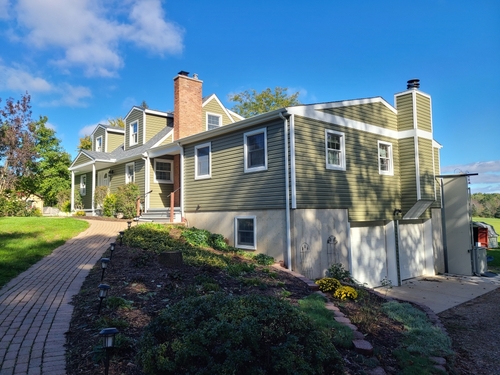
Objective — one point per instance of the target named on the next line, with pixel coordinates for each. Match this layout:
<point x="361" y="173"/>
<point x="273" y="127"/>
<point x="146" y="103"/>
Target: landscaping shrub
<point x="100" y="194"/>
<point x="109" y="205"/>
<point x="196" y="237"/>
<point x="126" y="196"/>
<point x="328" y="284"/>
<point x="337" y="271"/>
<point x="263" y="259"/>
<point x="150" y="236"/>
<point x="217" y="242"/>
<point x="345" y="292"/>
<point x="221" y="334"/>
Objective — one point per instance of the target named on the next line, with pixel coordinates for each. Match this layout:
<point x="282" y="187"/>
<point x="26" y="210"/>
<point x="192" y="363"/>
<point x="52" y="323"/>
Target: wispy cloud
<point x="88" y="33"/>
<point x="488" y="178"/>
<point x="70" y="96"/>
<point x="4" y="9"/>
<point x="17" y="79"/>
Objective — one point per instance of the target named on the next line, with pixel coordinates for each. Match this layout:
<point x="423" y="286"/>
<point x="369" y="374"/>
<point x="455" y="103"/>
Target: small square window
<point x="213" y="121"/>
<point x="83" y="185"/>
<point x="164" y="171"/>
<point x="98" y="144"/>
<point x="255" y="150"/>
<point x="129" y="173"/>
<point x="134" y="133"/>
<point x="202" y="159"/>
<point x="245" y="232"/>
<point x="335" y="150"/>
<point x="385" y="162"/>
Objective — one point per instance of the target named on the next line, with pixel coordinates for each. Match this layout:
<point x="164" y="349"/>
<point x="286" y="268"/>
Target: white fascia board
<point x="157" y="113"/>
<point x="409" y="91"/>
<point x="313" y="113"/>
<point x="436" y="144"/>
<point x="348" y="103"/>
<point x="415" y="133"/>
<point x="170" y="149"/>
<point x="95" y="129"/>
<point x="82" y="152"/>
<point x="157" y="144"/>
<point x="129" y="112"/>
<point x="214" y="97"/>
<point x="235" y="115"/>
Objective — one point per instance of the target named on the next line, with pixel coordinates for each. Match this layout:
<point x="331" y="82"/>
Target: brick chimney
<point x="187" y="105"/>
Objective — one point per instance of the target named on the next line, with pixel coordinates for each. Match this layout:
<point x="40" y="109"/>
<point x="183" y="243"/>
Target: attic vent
<point x="184" y="73"/>
<point x="413" y="84"/>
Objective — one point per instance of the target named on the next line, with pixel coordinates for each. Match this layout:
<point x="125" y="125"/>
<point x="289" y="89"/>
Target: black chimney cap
<point x="413" y="83"/>
<point x="183" y="73"/>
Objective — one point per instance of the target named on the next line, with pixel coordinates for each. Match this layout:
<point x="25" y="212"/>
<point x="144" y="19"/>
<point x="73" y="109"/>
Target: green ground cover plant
<point x="24" y="241"/>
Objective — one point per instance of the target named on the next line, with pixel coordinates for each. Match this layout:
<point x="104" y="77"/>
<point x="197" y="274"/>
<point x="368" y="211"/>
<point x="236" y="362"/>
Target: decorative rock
<point x="339" y="314"/>
<point x="352" y="326"/>
<point x="438" y="360"/>
<point x="331" y="307"/>
<point x="440" y="368"/>
<point x="358" y="335"/>
<point x="363" y="347"/>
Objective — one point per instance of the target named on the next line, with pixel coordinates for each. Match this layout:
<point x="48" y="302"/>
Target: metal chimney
<point x="413" y="83"/>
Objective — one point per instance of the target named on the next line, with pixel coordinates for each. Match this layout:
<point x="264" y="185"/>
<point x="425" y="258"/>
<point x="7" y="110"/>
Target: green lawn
<point x="26" y="240"/>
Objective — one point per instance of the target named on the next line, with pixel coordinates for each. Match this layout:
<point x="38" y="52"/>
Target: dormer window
<point x="98" y="144"/>
<point x="134" y="133"/>
<point x="213" y="121"/>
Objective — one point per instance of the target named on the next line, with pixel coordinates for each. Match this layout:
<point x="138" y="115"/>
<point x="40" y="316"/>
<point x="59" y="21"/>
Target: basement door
<point x="411" y="250"/>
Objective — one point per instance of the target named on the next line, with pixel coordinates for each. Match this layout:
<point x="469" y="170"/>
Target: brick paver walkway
<point x="34" y="307"/>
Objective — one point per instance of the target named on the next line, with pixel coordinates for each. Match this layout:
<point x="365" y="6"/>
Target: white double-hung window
<point x="134" y="133"/>
<point x="213" y="121"/>
<point x="130" y="173"/>
<point x="335" y="150"/>
<point x="202" y="161"/>
<point x="164" y="171"/>
<point x="98" y="144"/>
<point x="385" y="161"/>
<point x="255" y="143"/>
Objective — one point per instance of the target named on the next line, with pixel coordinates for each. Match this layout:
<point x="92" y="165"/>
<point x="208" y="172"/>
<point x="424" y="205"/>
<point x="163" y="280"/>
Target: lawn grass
<point x="26" y="240"/>
<point x="489" y="220"/>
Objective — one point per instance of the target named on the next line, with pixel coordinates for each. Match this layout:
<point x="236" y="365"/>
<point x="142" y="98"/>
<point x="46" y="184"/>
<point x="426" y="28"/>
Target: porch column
<point x="72" y="191"/>
<point x="93" y="186"/>
<point x="177" y="179"/>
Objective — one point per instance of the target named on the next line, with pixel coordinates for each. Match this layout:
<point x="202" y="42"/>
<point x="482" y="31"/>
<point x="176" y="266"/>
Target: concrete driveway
<point x="442" y="292"/>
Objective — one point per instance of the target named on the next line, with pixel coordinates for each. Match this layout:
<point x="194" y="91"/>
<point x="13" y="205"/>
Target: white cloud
<point x="88" y="33"/>
<point x="4" y="9"/>
<point x="71" y="96"/>
<point x="87" y="130"/>
<point x="17" y="79"/>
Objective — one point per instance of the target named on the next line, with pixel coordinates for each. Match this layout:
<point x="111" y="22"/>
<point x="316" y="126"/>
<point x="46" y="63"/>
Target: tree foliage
<point x="485" y="205"/>
<point x="251" y="103"/>
<point x="117" y="122"/>
<point x="17" y="144"/>
<point x="85" y="143"/>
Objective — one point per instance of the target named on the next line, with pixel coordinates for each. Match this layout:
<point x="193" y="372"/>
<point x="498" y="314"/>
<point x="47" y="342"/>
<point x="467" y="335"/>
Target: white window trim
<point x="83" y="185"/>
<point x="127" y="180"/>
<point x="132" y="141"/>
<point x="254" y="218"/>
<point x="215" y="115"/>
<point x="342" y="166"/>
<point x="171" y="162"/>
<point x="390" y="172"/>
<point x="245" y="136"/>
<point x="205" y="176"/>
<point x="97" y="142"/>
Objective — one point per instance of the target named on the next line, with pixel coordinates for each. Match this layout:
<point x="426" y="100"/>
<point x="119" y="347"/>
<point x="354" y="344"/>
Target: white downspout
<point x="72" y="191"/>
<point x="287" y="196"/>
<point x="292" y="162"/>
<point x="147" y="183"/>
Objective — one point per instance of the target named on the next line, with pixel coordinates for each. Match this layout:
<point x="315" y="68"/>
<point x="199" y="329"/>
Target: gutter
<point x="288" y="256"/>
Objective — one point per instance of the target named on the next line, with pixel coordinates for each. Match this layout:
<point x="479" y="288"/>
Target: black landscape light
<point x="129" y="223"/>
<point x="108" y="343"/>
<point x="103" y="293"/>
<point x="112" y="246"/>
<point x="104" y="265"/>
<point x="121" y="237"/>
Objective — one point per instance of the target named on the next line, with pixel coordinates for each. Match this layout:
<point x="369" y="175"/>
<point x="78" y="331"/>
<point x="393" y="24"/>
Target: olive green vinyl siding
<point x="87" y="198"/>
<point x="213" y="107"/>
<point x="153" y="125"/>
<point x="134" y="115"/>
<point x="82" y="159"/>
<point x="118" y="177"/>
<point x="371" y="113"/>
<point x="168" y="140"/>
<point x="361" y="189"/>
<point x="99" y="133"/>
<point x="423" y="113"/>
<point x="114" y="141"/>
<point x="426" y="168"/>
<point x="159" y="198"/>
<point x="404" y="105"/>
<point x="229" y="188"/>
<point x="408" y="173"/>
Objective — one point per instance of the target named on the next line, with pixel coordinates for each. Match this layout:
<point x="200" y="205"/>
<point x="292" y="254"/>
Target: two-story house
<point x="349" y="182"/>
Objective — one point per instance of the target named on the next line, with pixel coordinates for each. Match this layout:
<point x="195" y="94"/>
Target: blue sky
<point x="84" y="61"/>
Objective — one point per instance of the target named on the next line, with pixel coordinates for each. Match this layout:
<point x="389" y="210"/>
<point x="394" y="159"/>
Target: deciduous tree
<point x="85" y="143"/>
<point x="251" y="103"/>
